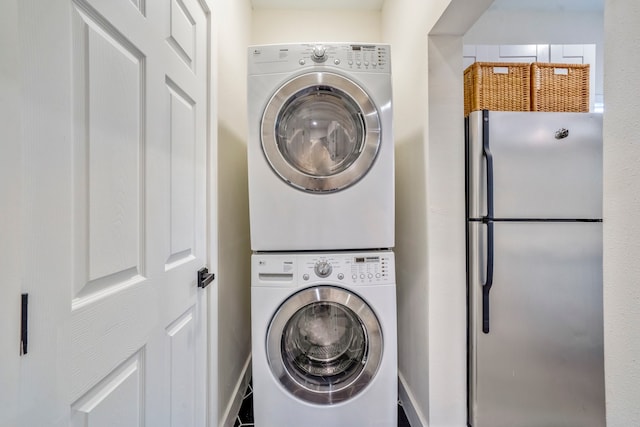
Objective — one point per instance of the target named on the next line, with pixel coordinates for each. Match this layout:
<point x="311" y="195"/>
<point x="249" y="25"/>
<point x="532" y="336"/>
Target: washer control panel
<point x="350" y="268"/>
<point x="345" y="56"/>
<point x="360" y="268"/>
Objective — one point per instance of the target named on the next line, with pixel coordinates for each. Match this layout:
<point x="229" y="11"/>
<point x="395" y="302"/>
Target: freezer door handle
<point x="486" y="151"/>
<point x="486" y="287"/>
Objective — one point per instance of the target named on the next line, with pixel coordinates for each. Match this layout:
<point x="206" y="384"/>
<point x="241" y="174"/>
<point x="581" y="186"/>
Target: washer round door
<point x="320" y="132"/>
<point x="324" y="344"/>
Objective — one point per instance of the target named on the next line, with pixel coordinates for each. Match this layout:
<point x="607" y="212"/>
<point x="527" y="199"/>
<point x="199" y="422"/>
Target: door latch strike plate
<point x="204" y="277"/>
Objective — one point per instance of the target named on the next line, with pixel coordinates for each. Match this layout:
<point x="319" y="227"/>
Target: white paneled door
<point x="115" y="105"/>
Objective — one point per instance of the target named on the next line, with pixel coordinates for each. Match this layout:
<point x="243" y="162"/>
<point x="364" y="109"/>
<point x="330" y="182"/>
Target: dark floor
<point x="245" y="415"/>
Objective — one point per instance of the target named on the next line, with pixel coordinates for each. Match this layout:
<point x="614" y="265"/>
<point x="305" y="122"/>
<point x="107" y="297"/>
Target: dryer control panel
<point x="353" y="57"/>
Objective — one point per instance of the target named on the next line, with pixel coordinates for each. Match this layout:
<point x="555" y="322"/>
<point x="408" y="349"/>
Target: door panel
<point x="120" y="393"/>
<point x="108" y="204"/>
<point x="183" y="32"/>
<point x="11" y="194"/>
<point x="183" y="369"/>
<point x="182" y="119"/>
<point x="541" y="364"/>
<point x="118" y="187"/>
<point x="505" y="53"/>
<point x="535" y="174"/>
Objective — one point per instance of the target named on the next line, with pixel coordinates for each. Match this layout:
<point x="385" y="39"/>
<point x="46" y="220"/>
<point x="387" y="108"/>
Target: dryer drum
<point x="325" y="339"/>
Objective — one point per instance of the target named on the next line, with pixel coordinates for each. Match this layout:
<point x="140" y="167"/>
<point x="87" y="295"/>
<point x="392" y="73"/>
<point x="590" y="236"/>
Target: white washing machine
<point x="324" y="339"/>
<point x="320" y="148"/>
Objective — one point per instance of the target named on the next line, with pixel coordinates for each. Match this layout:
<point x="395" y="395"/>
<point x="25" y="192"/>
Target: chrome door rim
<point x="373" y="357"/>
<point x="369" y="116"/>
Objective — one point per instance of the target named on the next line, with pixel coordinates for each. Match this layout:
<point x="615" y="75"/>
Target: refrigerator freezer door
<point x="545" y="165"/>
<point x="541" y="364"/>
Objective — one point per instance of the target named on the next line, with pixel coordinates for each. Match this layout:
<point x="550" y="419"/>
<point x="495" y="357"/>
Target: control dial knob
<point x="323" y="269"/>
<point x="319" y="53"/>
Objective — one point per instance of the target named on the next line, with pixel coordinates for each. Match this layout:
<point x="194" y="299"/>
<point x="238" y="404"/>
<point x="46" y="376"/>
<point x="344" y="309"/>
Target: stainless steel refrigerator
<point x="534" y="269"/>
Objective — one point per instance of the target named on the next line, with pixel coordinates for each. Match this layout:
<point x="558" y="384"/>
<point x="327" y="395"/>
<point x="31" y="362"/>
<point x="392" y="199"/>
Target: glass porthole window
<point x="324" y="345"/>
<point x="320" y="132"/>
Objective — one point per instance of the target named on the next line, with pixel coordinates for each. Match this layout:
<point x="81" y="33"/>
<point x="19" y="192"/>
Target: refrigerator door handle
<point x="486" y="287"/>
<point x="487" y="220"/>
<point x="486" y="151"/>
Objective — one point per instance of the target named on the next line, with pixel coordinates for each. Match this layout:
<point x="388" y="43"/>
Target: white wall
<point x="430" y="206"/>
<point x="299" y="25"/>
<point x="621" y="207"/>
<point x="233" y="22"/>
<point x="408" y="44"/>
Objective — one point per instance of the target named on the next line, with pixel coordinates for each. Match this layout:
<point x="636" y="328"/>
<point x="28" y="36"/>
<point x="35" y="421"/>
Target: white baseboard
<point x="409" y="404"/>
<point x="238" y="394"/>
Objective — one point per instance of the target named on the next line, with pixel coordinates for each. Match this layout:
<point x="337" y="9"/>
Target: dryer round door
<point x="320" y="132"/>
<point x="324" y="345"/>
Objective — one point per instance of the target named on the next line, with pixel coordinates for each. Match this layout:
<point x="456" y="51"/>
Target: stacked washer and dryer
<point x="321" y="199"/>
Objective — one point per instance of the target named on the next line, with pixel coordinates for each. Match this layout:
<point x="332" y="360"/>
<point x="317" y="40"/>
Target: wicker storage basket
<point x="559" y="87"/>
<point x="498" y="86"/>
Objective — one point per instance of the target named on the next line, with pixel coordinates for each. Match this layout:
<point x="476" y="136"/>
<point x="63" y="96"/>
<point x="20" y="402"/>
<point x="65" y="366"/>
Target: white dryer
<point x="320" y="149"/>
<point x="324" y="339"/>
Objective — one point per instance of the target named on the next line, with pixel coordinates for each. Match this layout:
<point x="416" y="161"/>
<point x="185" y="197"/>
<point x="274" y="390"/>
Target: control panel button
<point x="323" y="269"/>
<point x="319" y="53"/>
<point x="340" y="276"/>
<point x="305" y="276"/>
<point x="336" y="61"/>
